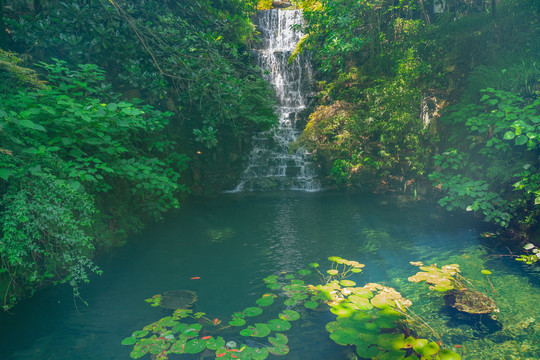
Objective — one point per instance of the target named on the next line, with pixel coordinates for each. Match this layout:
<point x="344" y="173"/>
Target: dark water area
<point x="229" y="243"/>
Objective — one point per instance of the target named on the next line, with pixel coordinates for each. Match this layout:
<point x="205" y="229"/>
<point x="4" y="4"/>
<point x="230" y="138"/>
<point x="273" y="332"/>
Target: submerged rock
<point x="472" y="302"/>
<point x="178" y="299"/>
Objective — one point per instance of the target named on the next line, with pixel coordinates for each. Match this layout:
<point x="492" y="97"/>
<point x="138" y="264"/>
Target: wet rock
<point x="472" y="302"/>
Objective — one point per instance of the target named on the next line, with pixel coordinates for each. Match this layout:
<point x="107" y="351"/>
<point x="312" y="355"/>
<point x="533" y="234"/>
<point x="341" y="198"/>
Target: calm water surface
<point x="233" y="241"/>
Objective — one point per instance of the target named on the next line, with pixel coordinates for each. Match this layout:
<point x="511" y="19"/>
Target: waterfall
<point x="271" y="166"/>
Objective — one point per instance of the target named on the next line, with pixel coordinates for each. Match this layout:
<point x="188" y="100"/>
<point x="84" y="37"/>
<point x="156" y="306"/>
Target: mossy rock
<point x="178" y="299"/>
<point x="472" y="302"/>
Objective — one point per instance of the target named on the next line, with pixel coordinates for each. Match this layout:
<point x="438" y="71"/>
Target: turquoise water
<point x="232" y="242"/>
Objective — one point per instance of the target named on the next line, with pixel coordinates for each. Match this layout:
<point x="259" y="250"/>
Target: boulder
<point x="280" y="4"/>
<point x="472" y="302"/>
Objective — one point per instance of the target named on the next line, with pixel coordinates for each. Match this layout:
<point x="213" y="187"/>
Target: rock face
<point x="280" y="4"/>
<point x="472" y="302"/>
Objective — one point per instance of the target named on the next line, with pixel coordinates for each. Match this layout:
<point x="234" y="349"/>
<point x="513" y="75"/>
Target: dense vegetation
<point x="97" y="125"/>
<point x="390" y="69"/>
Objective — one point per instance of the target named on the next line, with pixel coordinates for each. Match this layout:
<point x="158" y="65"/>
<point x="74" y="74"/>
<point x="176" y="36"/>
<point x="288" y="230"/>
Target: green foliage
<point x="499" y="177"/>
<point x="66" y="148"/>
<point x="367" y="317"/>
<point x="190" y="57"/>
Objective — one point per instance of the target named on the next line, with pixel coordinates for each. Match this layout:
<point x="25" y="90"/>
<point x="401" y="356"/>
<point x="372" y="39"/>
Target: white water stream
<point x="271" y="165"/>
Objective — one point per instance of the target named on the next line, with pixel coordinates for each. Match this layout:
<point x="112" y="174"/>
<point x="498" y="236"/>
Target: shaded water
<point x="233" y="241"/>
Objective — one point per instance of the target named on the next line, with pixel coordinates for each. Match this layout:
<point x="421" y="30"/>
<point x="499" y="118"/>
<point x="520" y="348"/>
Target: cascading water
<point x="270" y="165"/>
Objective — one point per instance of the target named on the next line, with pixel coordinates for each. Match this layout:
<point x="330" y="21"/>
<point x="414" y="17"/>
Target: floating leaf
<point x="252" y="311"/>
<point x="278" y="350"/>
<point x="299" y="296"/>
<point x="304" y="272"/>
<point x="138" y="351"/>
<point x="446" y="354"/>
<point x="273" y="286"/>
<point x="279" y="325"/>
<point x="259" y="330"/>
<point x="280" y="339"/>
<point x="297" y="282"/>
<point x="237" y="322"/>
<point x="290" y="276"/>
<point x="360" y="302"/>
<point x="179" y="328"/>
<point x="259" y="354"/>
<point x="195" y="346"/>
<point x="129" y="341"/>
<point x="335" y="259"/>
<point x="270" y="279"/>
<point x="314" y="265"/>
<point x="311" y="304"/>
<point x="391" y="341"/>
<point x="425" y="348"/>
<point x="214" y="344"/>
<point x="179" y="346"/>
<point x="290" y="302"/>
<point x="332" y="272"/>
<point x="343" y="309"/>
<point x="367" y="350"/>
<point x="192" y="330"/>
<point x="266" y="300"/>
<point x="393" y="355"/>
<point x="486" y="272"/>
<point x="362" y="292"/>
<point x="345" y="336"/>
<point x="347" y="283"/>
<point x="356" y="270"/>
<point x="289" y="315"/>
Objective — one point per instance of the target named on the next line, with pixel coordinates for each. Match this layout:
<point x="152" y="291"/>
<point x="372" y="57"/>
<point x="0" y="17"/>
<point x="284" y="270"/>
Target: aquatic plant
<point x="372" y="318"/>
<point x="530" y="258"/>
<point x="443" y="279"/>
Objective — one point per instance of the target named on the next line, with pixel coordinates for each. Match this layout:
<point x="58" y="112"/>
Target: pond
<point x="223" y="247"/>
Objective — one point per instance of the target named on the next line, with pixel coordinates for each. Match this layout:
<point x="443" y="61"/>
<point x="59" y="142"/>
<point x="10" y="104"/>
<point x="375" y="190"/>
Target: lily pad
<point x="259" y="330"/>
<point x="270" y="279"/>
<point x="215" y="343"/>
<point x="290" y="302"/>
<point x="195" y="346"/>
<point x="129" y="341"/>
<point x="332" y="272"/>
<point x="278" y="350"/>
<point x="273" y="286"/>
<point x="304" y="272"/>
<point x="237" y="322"/>
<point x="266" y="300"/>
<point x="391" y="341"/>
<point x="362" y="292"/>
<point x="311" y="304"/>
<point x="297" y="282"/>
<point x="314" y="265"/>
<point x="360" y="302"/>
<point x="252" y="311"/>
<point x="486" y="272"/>
<point x="138" y="351"/>
<point x="279" y="339"/>
<point x="356" y="270"/>
<point x="179" y="346"/>
<point x="335" y="259"/>
<point x="259" y="353"/>
<point x="192" y="330"/>
<point x="289" y="315"/>
<point x="393" y="355"/>
<point x="290" y="276"/>
<point x="279" y="325"/>
<point x="425" y="348"/>
<point x="364" y="350"/>
<point x="345" y="336"/>
<point x="179" y="328"/>
<point x="343" y="309"/>
<point x="446" y="354"/>
<point x="347" y="283"/>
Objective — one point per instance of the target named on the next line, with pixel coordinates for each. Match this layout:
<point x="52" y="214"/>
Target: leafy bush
<point x="67" y="148"/>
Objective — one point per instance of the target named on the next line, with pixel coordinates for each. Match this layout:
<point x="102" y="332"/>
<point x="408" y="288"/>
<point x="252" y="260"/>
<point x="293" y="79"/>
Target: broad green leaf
<point x="521" y="140"/>
<point x="279" y="325"/>
<point x="278" y="350"/>
<point x="509" y="135"/>
<point x="5" y="173"/>
<point x="195" y="346"/>
<point x="252" y="311"/>
<point x="311" y="304"/>
<point x="279" y="339"/>
<point x="129" y="340"/>
<point x="289" y="315"/>
<point x="215" y="343"/>
<point x="237" y="322"/>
